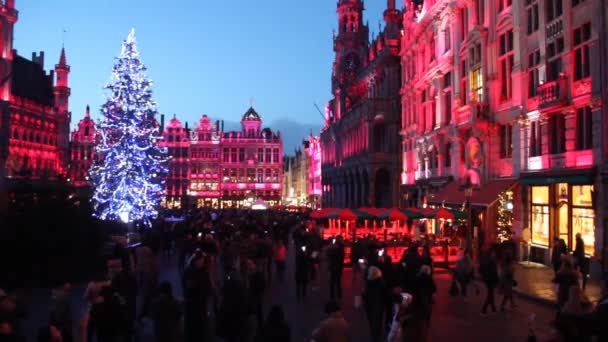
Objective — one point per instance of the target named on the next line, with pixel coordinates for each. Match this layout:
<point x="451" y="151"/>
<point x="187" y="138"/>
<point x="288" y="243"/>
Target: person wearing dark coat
<point x="374" y="299"/>
<point x="411" y="263"/>
<point x="256" y="285"/>
<point x="197" y="290"/>
<point x="582" y="263"/>
<point x="565" y="278"/>
<point x="335" y="256"/>
<point x="559" y="249"/>
<point x="303" y="269"/>
<point x="488" y="269"/>
<point x="109" y="316"/>
<point x="125" y="285"/>
<point x="233" y="318"/>
<point x="166" y="313"/>
<point x="276" y="328"/>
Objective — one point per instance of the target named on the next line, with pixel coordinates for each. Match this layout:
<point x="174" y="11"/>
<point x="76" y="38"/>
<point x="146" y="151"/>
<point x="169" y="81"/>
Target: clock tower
<point x="350" y="46"/>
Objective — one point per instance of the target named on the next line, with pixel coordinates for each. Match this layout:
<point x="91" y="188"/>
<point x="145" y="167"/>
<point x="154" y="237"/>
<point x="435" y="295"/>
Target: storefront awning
<point x="483" y="197"/>
<point x="585" y="178"/>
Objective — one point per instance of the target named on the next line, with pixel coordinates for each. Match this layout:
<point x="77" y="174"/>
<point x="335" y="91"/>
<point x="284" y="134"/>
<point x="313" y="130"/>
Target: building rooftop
<point x="30" y="81"/>
<point x="251" y="115"/>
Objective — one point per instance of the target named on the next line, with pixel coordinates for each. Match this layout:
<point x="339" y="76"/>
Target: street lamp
<point x="468" y="188"/>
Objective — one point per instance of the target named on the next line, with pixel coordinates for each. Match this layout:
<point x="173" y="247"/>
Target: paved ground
<point x="536" y="281"/>
<point x="454" y="318"/>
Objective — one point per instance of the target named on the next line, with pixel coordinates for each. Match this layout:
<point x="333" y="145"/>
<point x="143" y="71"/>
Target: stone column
<point x="570" y="127"/>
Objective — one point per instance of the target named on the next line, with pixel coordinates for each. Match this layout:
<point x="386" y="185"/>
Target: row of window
<point x="35" y="138"/>
<point x="250" y="175"/>
<point x="234" y="155"/>
<point x="556" y="132"/>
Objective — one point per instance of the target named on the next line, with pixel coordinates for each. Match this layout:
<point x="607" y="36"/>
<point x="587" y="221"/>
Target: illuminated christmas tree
<point x="504" y="220"/>
<point x="128" y="180"/>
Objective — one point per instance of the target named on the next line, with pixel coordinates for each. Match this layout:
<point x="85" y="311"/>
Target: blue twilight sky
<point x="204" y="56"/>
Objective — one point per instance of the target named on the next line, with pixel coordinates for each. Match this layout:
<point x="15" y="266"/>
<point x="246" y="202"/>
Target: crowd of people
<point x="228" y="261"/>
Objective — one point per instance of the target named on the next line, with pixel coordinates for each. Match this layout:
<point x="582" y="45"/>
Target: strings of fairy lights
<point x="128" y="180"/>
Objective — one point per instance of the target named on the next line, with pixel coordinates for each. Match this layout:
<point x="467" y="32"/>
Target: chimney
<point x="217" y="125"/>
<point x="162" y="123"/>
<point x="222" y="125"/>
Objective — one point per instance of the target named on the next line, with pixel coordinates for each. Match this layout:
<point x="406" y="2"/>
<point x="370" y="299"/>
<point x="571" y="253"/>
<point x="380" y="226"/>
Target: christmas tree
<point x="504" y="220"/>
<point x="128" y="180"/>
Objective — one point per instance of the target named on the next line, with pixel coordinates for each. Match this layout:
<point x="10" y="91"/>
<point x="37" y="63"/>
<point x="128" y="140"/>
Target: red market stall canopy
<point x="444" y="214"/>
<point x="350" y="215"/>
<point x="397" y="214"/>
<point x="323" y="213"/>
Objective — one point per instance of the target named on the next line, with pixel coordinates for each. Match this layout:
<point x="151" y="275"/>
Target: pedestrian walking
<point x="488" y="269"/>
<point x="335" y="256"/>
<point x="559" y="249"/>
<point x="280" y="255"/>
<point x="464" y="272"/>
<point x="256" y="286"/>
<point x="581" y="262"/>
<point x="374" y="300"/>
<point x="565" y="278"/>
<point x="303" y="270"/>
<point x="166" y="314"/>
<point x="507" y="281"/>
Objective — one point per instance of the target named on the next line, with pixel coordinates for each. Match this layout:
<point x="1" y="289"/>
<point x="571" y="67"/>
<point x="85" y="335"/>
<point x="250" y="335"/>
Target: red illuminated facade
<point x="82" y="151"/>
<point x="213" y="168"/>
<point x="509" y="96"/>
<point x="360" y="139"/>
<point x="34" y="120"/>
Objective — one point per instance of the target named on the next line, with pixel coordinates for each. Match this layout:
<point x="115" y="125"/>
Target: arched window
<point x="15" y="134"/>
<point x="86" y="131"/>
<point x="31" y="137"/>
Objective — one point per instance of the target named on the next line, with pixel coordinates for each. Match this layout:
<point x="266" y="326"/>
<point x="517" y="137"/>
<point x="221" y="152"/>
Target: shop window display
<point x="540" y="215"/>
<point x="583" y="216"/>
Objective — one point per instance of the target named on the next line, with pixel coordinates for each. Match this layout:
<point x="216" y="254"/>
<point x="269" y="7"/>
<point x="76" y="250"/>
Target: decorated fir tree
<point x="504" y="220"/>
<point x="128" y="180"/>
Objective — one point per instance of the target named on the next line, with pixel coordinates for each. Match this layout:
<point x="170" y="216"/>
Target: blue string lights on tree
<point x="129" y="178"/>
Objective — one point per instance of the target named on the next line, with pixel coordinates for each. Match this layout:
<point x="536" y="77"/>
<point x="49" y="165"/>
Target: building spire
<point x="87" y="113"/>
<point x="62" y="59"/>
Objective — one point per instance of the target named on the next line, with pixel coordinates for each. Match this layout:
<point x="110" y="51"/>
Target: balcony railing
<point x="553" y="93"/>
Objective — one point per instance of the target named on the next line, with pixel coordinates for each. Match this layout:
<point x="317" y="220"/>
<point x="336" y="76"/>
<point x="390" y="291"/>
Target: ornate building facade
<point x="302" y="175"/>
<point x="82" y="151"/>
<point x="360" y="139"/>
<point x="34" y="120"/>
<point x="213" y="168"/>
<point x="506" y="97"/>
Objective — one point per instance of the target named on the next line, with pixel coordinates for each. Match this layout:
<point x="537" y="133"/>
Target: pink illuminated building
<point x="213" y="168"/>
<point x="302" y="175"/>
<point x="313" y="153"/>
<point x="508" y="96"/>
<point x="34" y="114"/>
<point x="82" y="151"/>
<point x="360" y="139"/>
